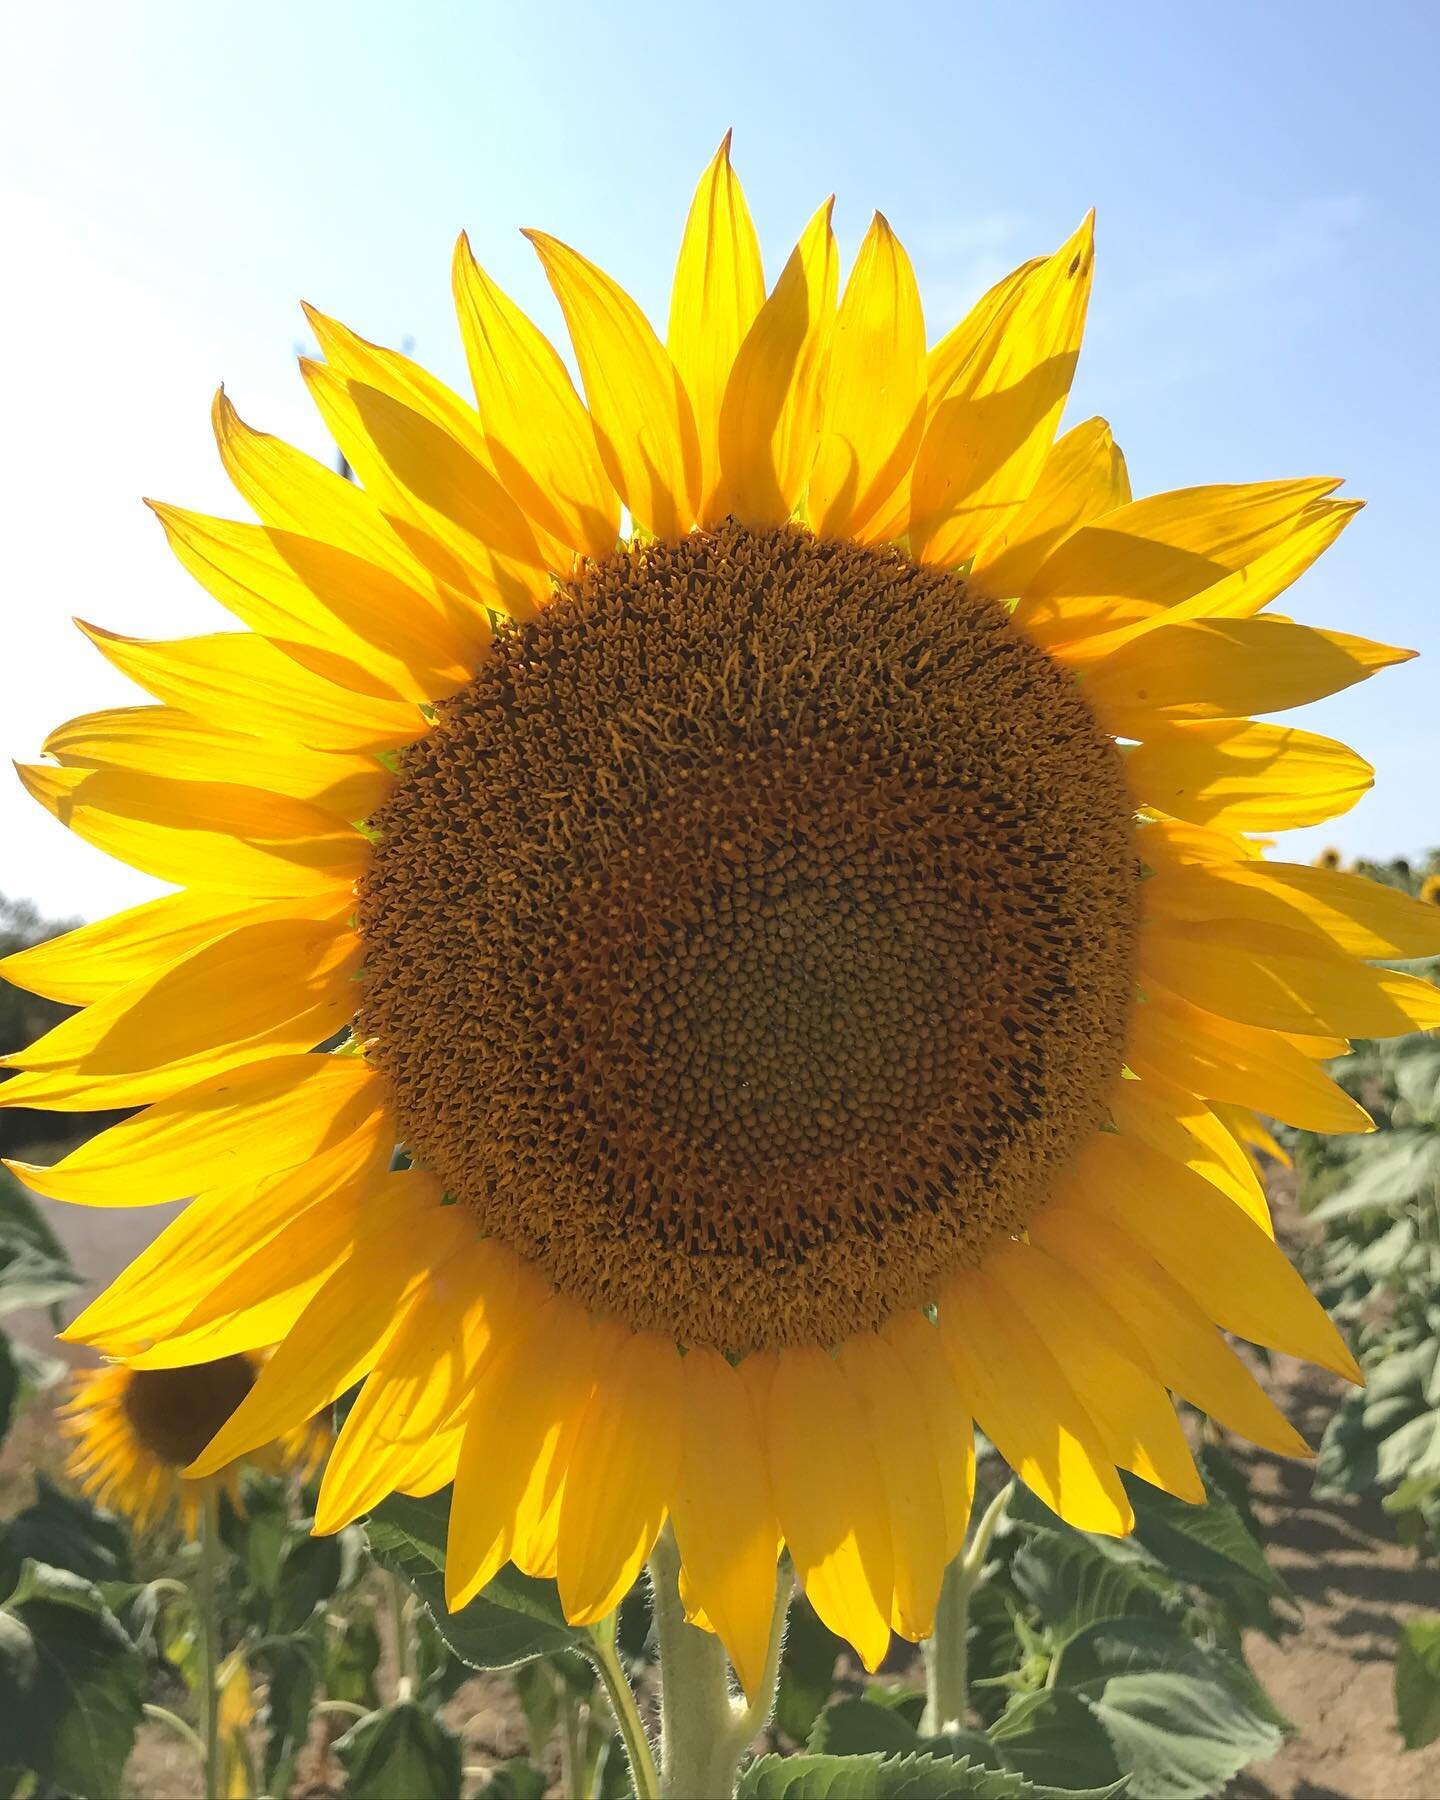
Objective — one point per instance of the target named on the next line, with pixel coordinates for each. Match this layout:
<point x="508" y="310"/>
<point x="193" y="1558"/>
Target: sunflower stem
<point x="162" y="1715"/>
<point x="605" y="1654"/>
<point x="704" y="1730"/>
<point x="207" y="1601"/>
<point x="947" y="1653"/>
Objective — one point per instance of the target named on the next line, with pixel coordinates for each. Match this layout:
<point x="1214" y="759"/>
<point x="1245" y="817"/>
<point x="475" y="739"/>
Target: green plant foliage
<point x="70" y="1684"/>
<point x="1417" y="1682"/>
<point x="807" y="1671"/>
<point x="517" y="1779"/>
<point x="400" y="1749"/>
<point x="894" y="1778"/>
<point x="510" y="1621"/>
<point x="65" y="1531"/>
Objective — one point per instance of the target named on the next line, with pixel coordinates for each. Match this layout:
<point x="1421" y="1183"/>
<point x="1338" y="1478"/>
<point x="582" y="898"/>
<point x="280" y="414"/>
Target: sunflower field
<point x="762" y="1132"/>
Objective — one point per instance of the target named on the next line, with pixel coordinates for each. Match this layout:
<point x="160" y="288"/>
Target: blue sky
<point x="175" y="178"/>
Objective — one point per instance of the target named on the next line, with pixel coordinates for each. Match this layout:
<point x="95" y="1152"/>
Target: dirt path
<point x="1355" y="1586"/>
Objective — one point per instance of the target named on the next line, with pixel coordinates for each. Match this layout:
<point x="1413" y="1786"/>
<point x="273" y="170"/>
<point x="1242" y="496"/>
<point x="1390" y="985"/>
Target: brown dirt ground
<point x="1354" y="1583"/>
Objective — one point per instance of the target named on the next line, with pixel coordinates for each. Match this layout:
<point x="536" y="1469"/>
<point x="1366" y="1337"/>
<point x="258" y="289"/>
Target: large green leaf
<point x="400" y="1750"/>
<point x="64" y="1531"/>
<point x="1054" y="1736"/>
<point x="1211" y="1548"/>
<point x="307" y="1574"/>
<point x="1417" y="1681"/>
<point x="71" y="1684"/>
<point x="807" y="1671"/>
<point x="511" y="1620"/>
<point x="892" y="1778"/>
<point x="1182" y="1719"/>
<point x="860" y="1728"/>
<point x="1073" y="1584"/>
<point x="289" y="1666"/>
<point x="517" y="1779"/>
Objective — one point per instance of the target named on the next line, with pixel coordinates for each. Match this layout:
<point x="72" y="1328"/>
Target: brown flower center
<point x="175" y="1412"/>
<point x="753" y="938"/>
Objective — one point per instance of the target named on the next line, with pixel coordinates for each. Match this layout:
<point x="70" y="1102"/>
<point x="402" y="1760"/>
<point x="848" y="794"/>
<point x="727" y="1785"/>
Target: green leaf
<point x="64" y="1531"/>
<point x="307" y="1574"/>
<point x="1182" y="1720"/>
<point x="28" y="1277"/>
<point x="807" y="1671"/>
<point x="859" y="1727"/>
<point x="511" y="1620"/>
<point x="1417" y="1681"/>
<point x="892" y="1778"/>
<point x="71" y="1683"/>
<point x="400" y="1750"/>
<point x="288" y="1665"/>
<point x="1072" y="1584"/>
<point x="1211" y="1548"/>
<point x="9" y="1387"/>
<point x="1055" y="1737"/>
<point x="517" y="1779"/>
<point x="352" y="1655"/>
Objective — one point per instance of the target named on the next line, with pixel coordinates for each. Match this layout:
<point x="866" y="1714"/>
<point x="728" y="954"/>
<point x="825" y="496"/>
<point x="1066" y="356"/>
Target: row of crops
<point x="1094" y="1666"/>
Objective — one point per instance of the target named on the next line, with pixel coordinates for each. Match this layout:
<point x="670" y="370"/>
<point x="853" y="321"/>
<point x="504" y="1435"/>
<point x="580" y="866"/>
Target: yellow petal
<point x="1245" y="775"/>
<point x="986" y="441"/>
<point x="225" y="1232"/>
<point x="1226" y="669"/>
<point x="100" y="959"/>
<point x="1083" y="477"/>
<point x="290" y="490"/>
<point x="1105" y="1364"/>
<point x="1189" y="1355"/>
<point x="901" y="1436"/>
<point x="531" y="1388"/>
<point x="774" y="401"/>
<point x="424" y="476"/>
<point x="724" y="1511"/>
<point x="1172" y="1040"/>
<point x="244" y="683"/>
<point x="1218" y="1255"/>
<point x="1180" y="1125"/>
<point x="211" y="836"/>
<point x="831" y="1499"/>
<point x="304" y="592"/>
<point x="622" y="1469"/>
<point x="1250" y="588"/>
<point x="1263" y="974"/>
<point x="418" y="1380"/>
<point x="285" y="984"/>
<point x="1028" y="1409"/>
<point x="262" y="1119"/>
<point x="1157" y="554"/>
<point x="875" y="394"/>
<point x="1364" y="917"/>
<point x="719" y="288"/>
<point x="952" y="356"/>
<point x="643" y="421"/>
<point x="343" y="1330"/>
<point x="163" y="741"/>
<point x="952" y="1437"/>
<point x="538" y="433"/>
<point x="432" y="1467"/>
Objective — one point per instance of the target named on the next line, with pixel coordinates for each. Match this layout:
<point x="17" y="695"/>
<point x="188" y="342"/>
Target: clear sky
<point x="174" y="178"/>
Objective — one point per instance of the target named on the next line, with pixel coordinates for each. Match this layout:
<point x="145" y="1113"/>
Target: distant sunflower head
<point x="133" y="1433"/>
<point x="785" y="834"/>
<point x="1430" y="890"/>
<point x="1329" y="858"/>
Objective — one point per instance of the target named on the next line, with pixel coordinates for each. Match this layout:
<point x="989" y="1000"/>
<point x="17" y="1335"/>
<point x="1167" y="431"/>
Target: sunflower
<point x="781" y="831"/>
<point x="1329" y="858"/>
<point x="134" y="1432"/>
<point x="1430" y="890"/>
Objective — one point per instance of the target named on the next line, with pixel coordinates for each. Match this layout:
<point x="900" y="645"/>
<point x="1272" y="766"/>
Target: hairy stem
<point x="605" y="1655"/>
<point x="207" y="1604"/>
<point x="704" y="1730"/>
<point x="947" y="1655"/>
